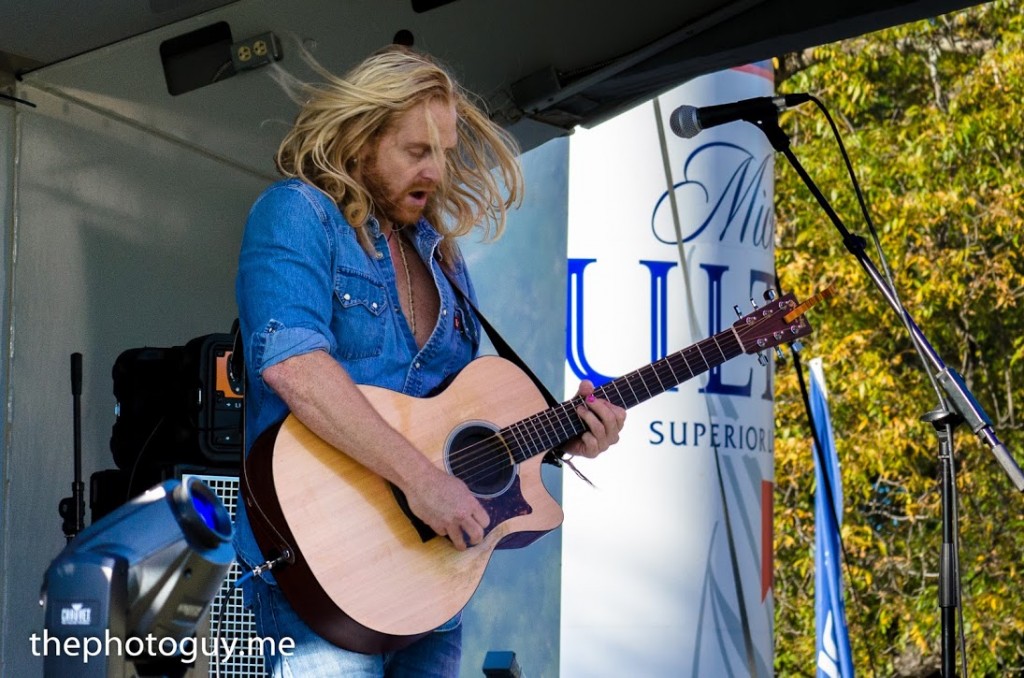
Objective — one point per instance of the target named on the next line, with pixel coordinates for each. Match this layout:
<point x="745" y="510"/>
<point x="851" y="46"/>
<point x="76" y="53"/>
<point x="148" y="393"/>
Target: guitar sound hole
<point x="480" y="459"/>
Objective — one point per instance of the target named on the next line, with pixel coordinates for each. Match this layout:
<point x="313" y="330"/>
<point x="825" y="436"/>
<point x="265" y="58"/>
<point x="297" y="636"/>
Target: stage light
<point x="130" y="590"/>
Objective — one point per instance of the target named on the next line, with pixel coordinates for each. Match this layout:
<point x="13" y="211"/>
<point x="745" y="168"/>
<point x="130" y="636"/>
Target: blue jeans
<point x="436" y="655"/>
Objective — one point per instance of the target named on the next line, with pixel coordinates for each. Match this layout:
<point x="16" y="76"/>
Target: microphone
<point x="688" y="121"/>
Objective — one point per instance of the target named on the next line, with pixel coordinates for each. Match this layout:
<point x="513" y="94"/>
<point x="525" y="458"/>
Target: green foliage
<point x="932" y="115"/>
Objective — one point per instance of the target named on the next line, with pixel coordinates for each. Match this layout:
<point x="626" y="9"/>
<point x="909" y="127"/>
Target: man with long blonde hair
<point x="346" y="277"/>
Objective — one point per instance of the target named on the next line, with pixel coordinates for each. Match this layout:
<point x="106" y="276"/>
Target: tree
<point x="931" y="114"/>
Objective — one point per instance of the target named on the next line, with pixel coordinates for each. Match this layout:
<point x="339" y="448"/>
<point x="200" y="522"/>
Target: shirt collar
<point x="422" y="231"/>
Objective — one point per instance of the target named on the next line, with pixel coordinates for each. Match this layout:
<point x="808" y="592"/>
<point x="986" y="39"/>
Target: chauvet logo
<point x="76" y="615"/>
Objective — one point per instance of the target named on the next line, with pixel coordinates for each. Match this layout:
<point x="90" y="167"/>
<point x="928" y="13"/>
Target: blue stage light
<point x="147" y="570"/>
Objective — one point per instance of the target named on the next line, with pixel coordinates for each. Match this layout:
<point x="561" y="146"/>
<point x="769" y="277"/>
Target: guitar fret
<point x="640" y="397"/>
<point x="675" y="378"/>
<point x="706" y="363"/>
<point x="687" y="355"/>
<point x="552" y="437"/>
<point x="531" y="430"/>
<point x="660" y="385"/>
<point x="731" y="342"/>
<point x="665" y="368"/>
<point x="618" y="400"/>
<point x="640" y="376"/>
<point x="522" y="438"/>
<point x="689" y="370"/>
<point x="543" y="436"/>
<point x="626" y="389"/>
<point x="719" y="347"/>
<point x="575" y="424"/>
<point x="703" y="358"/>
<point x="512" y="434"/>
<point x="529" y="439"/>
<point x="552" y="417"/>
<point x="536" y="433"/>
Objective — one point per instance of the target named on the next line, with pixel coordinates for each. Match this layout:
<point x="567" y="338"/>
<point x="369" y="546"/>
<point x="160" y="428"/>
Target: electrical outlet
<point x="256" y="51"/>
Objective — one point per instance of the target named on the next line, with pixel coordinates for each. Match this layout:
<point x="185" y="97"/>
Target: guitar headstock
<point x="777" y="322"/>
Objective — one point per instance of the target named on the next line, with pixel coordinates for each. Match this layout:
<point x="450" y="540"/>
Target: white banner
<point x="667" y="564"/>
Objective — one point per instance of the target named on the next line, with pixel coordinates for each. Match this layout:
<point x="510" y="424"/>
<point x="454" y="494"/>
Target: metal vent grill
<point x="235" y="623"/>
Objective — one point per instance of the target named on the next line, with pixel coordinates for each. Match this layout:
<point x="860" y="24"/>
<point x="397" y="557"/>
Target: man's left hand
<point x="603" y="420"/>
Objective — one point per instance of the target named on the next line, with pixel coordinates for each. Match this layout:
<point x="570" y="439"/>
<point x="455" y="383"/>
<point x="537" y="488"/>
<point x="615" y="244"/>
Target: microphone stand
<point x="956" y="407"/>
<point x="72" y="509"/>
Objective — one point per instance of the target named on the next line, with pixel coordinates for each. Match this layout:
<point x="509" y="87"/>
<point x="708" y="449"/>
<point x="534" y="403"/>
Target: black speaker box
<point x="178" y="405"/>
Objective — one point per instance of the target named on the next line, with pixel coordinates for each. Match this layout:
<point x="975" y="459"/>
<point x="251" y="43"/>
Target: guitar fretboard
<point x="551" y="428"/>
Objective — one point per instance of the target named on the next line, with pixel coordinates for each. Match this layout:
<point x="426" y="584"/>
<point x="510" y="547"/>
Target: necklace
<point x="408" y="280"/>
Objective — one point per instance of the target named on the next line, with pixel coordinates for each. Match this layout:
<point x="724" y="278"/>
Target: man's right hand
<point x="323" y="397"/>
<point x="445" y="503"/>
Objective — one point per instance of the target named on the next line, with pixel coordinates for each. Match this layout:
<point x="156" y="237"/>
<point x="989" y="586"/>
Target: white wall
<point x="6" y="213"/>
<point x="123" y="240"/>
<point x="129" y="210"/>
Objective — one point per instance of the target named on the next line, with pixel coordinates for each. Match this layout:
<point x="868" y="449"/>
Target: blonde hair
<point x="341" y="117"/>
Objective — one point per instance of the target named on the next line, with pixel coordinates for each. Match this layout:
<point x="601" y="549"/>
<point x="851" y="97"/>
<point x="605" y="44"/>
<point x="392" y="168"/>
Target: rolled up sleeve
<point x="277" y="343"/>
<point x="285" y="283"/>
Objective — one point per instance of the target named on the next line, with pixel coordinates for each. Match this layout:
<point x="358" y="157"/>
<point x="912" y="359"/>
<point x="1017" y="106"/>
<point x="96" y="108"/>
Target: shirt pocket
<point x="468" y="327"/>
<point x="464" y="342"/>
<point x="359" y="319"/>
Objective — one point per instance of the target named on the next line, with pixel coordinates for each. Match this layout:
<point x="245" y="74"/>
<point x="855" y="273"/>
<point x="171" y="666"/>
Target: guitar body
<point x="362" y="575"/>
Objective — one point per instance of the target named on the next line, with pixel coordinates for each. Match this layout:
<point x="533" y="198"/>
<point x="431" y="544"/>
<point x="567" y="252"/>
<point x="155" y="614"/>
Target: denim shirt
<point x="306" y="284"/>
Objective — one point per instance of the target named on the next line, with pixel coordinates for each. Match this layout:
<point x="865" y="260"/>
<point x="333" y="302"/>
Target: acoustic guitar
<point x="360" y="569"/>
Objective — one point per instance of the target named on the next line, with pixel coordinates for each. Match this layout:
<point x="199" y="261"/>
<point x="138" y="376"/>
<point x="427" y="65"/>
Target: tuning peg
<point x="753" y="303"/>
<point x="769" y="294"/>
<point x="736" y="308"/>
<point x="796" y="346"/>
<point x="780" y="355"/>
<point x="762" y="360"/>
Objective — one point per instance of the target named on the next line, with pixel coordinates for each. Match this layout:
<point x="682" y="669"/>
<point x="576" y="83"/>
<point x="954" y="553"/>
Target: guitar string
<point x="495" y="444"/>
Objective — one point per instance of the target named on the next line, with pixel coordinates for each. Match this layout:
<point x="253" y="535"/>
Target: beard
<point x="387" y="199"/>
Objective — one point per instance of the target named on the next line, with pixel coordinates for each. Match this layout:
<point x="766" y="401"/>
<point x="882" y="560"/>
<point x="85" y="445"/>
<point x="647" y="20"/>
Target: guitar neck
<point x="552" y="428"/>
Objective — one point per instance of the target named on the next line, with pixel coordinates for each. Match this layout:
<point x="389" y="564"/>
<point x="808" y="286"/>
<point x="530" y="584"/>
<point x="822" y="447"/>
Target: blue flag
<point x="834" y="659"/>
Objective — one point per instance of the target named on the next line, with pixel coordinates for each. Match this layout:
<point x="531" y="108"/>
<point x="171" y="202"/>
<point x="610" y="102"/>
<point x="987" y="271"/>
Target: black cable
<point x="16" y="99"/>
<point x="138" y="459"/>
<point x="218" y="624"/>
<point x="876" y="241"/>
<point x="221" y="70"/>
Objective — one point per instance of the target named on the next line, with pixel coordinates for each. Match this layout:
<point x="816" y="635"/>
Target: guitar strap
<point x="555" y="457"/>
